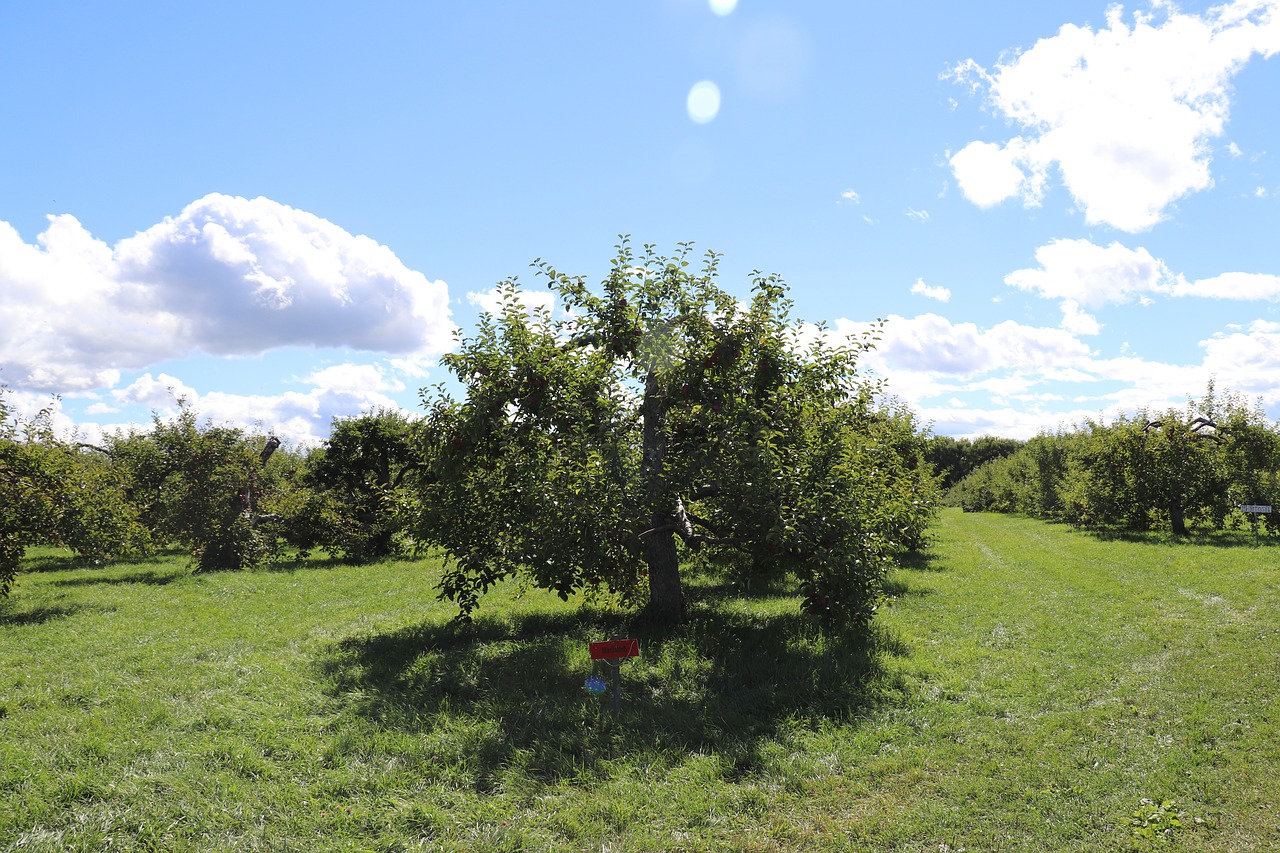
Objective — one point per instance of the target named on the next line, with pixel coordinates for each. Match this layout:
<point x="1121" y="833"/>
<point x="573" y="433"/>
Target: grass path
<point x="1031" y="687"/>
<point x="1094" y="674"/>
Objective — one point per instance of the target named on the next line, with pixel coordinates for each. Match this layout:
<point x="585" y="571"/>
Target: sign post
<point x="614" y="653"/>
<point x="1260" y="509"/>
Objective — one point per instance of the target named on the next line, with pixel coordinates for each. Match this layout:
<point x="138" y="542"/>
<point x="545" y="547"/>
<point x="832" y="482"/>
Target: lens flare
<point x="723" y="7"/>
<point x="703" y="102"/>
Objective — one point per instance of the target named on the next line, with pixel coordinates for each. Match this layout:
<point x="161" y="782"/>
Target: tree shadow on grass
<point x="1199" y="538"/>
<point x="921" y="561"/>
<point x="63" y="561"/>
<point x="726" y="682"/>
<point x="898" y="585"/>
<point x="37" y="615"/>
<point x="898" y="588"/>
<point x="300" y="562"/>
<point x="149" y="577"/>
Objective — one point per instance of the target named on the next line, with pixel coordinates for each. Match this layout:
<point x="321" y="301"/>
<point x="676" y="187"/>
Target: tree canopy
<point x="658" y="417"/>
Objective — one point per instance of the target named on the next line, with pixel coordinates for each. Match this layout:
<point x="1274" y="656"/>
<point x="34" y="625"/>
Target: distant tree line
<point x="1175" y="469"/>
<point x="230" y="498"/>
<point x="955" y="458"/>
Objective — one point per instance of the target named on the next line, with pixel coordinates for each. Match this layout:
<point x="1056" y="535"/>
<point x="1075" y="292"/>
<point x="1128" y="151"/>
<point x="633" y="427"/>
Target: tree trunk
<point x="1177" y="517"/>
<point x="666" y="596"/>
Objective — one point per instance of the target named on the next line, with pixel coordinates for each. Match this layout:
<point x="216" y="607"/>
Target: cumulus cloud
<point x="941" y="294"/>
<point x="1016" y="380"/>
<point x="931" y="343"/>
<point x="355" y="377"/>
<point x="965" y="421"/>
<point x="299" y="416"/>
<point x="989" y="173"/>
<point x="1084" y="275"/>
<point x="490" y="301"/>
<point x="1232" y="285"/>
<point x="226" y="276"/>
<point x="1126" y="112"/>
<point x="1078" y="321"/>
<point x="1250" y="355"/>
<point x="968" y="380"/>
<point x="1092" y="275"/>
<point x="156" y="392"/>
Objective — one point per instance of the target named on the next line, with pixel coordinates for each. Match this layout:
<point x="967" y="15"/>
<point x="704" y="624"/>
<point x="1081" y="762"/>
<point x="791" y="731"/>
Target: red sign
<point x="615" y="649"/>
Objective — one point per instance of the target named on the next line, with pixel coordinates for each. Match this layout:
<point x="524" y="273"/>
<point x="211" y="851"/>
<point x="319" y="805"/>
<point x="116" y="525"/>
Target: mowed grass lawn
<point x="1031" y="688"/>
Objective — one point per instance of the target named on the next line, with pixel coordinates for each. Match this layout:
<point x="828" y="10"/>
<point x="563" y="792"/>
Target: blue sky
<point x="280" y="211"/>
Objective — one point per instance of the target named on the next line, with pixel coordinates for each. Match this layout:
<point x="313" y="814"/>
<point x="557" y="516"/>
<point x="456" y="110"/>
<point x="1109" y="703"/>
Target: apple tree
<point x="56" y="492"/>
<point x="201" y="485"/>
<point x="656" y="417"/>
<point x="349" y="497"/>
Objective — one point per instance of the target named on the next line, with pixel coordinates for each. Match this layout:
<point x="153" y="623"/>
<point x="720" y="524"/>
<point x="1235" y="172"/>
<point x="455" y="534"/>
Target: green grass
<point x="1031" y="688"/>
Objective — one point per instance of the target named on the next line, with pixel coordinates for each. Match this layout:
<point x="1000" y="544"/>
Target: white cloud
<point x="973" y="422"/>
<point x="158" y="393"/>
<point x="989" y="173"/>
<point x="1092" y="275"/>
<point x="301" y="417"/>
<point x="918" y="215"/>
<point x="1009" y="379"/>
<point x="1083" y="274"/>
<point x="1232" y="285"/>
<point x="941" y="294"/>
<point x="934" y="344"/>
<point x="1077" y="321"/>
<point x="1016" y="380"/>
<point x="490" y="301"/>
<point x="1126" y="112"/>
<point x="226" y="276"/>
<point x="850" y="196"/>
<point x="355" y="377"/>
<point x="1250" y="357"/>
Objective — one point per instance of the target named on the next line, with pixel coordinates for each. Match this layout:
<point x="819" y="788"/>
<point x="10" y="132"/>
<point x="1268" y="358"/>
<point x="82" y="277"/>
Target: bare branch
<point x="683" y="526"/>
<point x="88" y="446"/>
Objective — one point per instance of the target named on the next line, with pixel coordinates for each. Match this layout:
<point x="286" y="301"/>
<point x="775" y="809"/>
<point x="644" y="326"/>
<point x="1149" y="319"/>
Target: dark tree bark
<point x="1178" y="518"/>
<point x="666" y="595"/>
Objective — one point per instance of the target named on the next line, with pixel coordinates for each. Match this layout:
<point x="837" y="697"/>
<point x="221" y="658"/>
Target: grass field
<point x="1031" y="688"/>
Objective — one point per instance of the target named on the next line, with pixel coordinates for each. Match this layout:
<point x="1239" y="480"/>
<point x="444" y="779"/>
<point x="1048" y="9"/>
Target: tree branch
<point x="666" y="528"/>
<point x="87" y="446"/>
<point x="702" y="522"/>
<point x="684" y="526"/>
